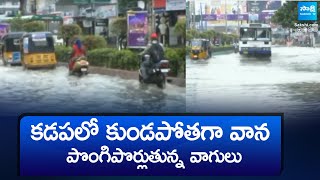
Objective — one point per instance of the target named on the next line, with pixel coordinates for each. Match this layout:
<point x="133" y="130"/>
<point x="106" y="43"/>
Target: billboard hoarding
<point x="230" y="17"/>
<point x="107" y="11"/>
<point x="175" y="5"/>
<point x="137" y="29"/>
<point x="4" y="29"/>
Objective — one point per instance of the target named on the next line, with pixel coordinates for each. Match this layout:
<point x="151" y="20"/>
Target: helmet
<point x="154" y="36"/>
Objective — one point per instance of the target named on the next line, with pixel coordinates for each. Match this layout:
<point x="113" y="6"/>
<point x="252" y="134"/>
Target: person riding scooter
<point x="156" y="52"/>
<point x="78" y="51"/>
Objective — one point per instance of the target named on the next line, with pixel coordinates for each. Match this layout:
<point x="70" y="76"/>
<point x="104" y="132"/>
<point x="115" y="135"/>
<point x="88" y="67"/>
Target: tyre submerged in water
<point x="10" y="48"/>
<point x="80" y="67"/>
<point x="157" y="74"/>
<point x="200" y="49"/>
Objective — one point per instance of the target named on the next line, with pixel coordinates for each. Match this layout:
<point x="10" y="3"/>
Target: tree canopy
<point x="119" y="26"/>
<point x="69" y="31"/>
<point x="34" y="26"/>
<point x="210" y="34"/>
<point x="17" y="23"/>
<point x="180" y="28"/>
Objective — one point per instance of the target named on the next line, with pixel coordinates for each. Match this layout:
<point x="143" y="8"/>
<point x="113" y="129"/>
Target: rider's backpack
<point x="156" y="53"/>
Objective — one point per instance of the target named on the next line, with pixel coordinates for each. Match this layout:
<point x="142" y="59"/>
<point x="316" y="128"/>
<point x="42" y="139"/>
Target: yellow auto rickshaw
<point x="38" y="50"/>
<point x="200" y="49"/>
<point x="10" y="48"/>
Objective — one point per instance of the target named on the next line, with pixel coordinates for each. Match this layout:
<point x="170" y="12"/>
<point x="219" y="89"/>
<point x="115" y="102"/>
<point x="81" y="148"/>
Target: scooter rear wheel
<point x="140" y="78"/>
<point x="162" y="83"/>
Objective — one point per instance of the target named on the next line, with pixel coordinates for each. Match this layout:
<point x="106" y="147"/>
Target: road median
<point x="125" y="74"/>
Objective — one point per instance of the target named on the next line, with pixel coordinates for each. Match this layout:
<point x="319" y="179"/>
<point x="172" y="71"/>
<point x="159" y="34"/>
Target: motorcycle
<point x="157" y="73"/>
<point x="236" y="47"/>
<point x="80" y="67"/>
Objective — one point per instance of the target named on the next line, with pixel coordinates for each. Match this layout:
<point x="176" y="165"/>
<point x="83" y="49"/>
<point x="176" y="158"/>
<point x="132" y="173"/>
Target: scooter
<point x="157" y="73"/>
<point x="80" y="67"/>
<point x="236" y="47"/>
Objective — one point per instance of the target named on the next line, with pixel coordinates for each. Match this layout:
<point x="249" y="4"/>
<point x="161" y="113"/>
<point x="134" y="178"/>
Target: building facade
<point x="40" y="7"/>
<point x="167" y="13"/>
<point x="9" y="8"/>
<point x="92" y="18"/>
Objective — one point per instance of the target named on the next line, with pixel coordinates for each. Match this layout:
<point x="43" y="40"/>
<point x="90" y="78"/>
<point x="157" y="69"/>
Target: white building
<point x="8" y="8"/>
<point x="42" y="6"/>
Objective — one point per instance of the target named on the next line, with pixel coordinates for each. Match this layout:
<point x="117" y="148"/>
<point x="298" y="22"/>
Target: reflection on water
<point x="55" y="91"/>
<point x="288" y="81"/>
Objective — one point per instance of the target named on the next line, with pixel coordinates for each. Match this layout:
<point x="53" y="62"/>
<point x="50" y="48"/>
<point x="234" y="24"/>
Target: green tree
<point x="94" y="42"/>
<point x="211" y="34"/>
<point x="188" y="36"/>
<point x="17" y="23"/>
<point x="22" y="7"/>
<point x="69" y="31"/>
<point x="180" y="29"/>
<point x="287" y="15"/>
<point x="192" y="33"/>
<point x="33" y="26"/>
<point x="119" y="26"/>
<point x="207" y="34"/>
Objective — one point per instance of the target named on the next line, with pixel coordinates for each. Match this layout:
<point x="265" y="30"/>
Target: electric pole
<point x="225" y="15"/>
<point x="22" y="7"/>
<point x="35" y="7"/>
<point x="93" y="16"/>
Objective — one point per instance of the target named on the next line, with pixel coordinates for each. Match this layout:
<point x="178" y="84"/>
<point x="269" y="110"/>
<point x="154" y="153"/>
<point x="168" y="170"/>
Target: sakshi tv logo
<point x="307" y="11"/>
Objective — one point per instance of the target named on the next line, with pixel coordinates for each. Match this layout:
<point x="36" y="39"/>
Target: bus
<point x="255" y="39"/>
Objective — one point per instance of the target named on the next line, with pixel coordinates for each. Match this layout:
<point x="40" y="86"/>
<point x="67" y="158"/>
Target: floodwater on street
<point x="287" y="82"/>
<point x="23" y="91"/>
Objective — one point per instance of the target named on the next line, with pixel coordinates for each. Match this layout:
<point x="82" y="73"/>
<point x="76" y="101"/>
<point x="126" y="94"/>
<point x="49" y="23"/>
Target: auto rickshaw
<point x="200" y="49"/>
<point x="38" y="50"/>
<point x="10" y="48"/>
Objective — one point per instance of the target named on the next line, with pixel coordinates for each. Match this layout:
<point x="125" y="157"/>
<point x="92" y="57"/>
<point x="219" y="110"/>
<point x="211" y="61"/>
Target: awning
<point x="47" y="18"/>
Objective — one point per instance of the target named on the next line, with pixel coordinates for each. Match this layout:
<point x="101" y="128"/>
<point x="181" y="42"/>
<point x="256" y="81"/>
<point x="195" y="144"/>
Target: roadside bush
<point x="188" y="50"/>
<point x="222" y="48"/>
<point x="16" y="23"/>
<point x="112" y="58"/>
<point x="176" y="56"/>
<point x="215" y="49"/>
<point x="33" y="26"/>
<point x="125" y="59"/>
<point x="62" y="53"/>
<point x="94" y="42"/>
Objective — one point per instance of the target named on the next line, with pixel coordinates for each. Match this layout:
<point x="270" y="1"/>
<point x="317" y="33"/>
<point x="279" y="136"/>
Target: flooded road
<point x="24" y="91"/>
<point x="287" y="82"/>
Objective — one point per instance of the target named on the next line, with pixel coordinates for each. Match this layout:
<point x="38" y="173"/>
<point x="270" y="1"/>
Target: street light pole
<point x="35" y="7"/>
<point x="238" y="15"/>
<point x="93" y="18"/>
<point x="225" y="14"/>
<point x="201" y="23"/>
<point x="153" y="16"/>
